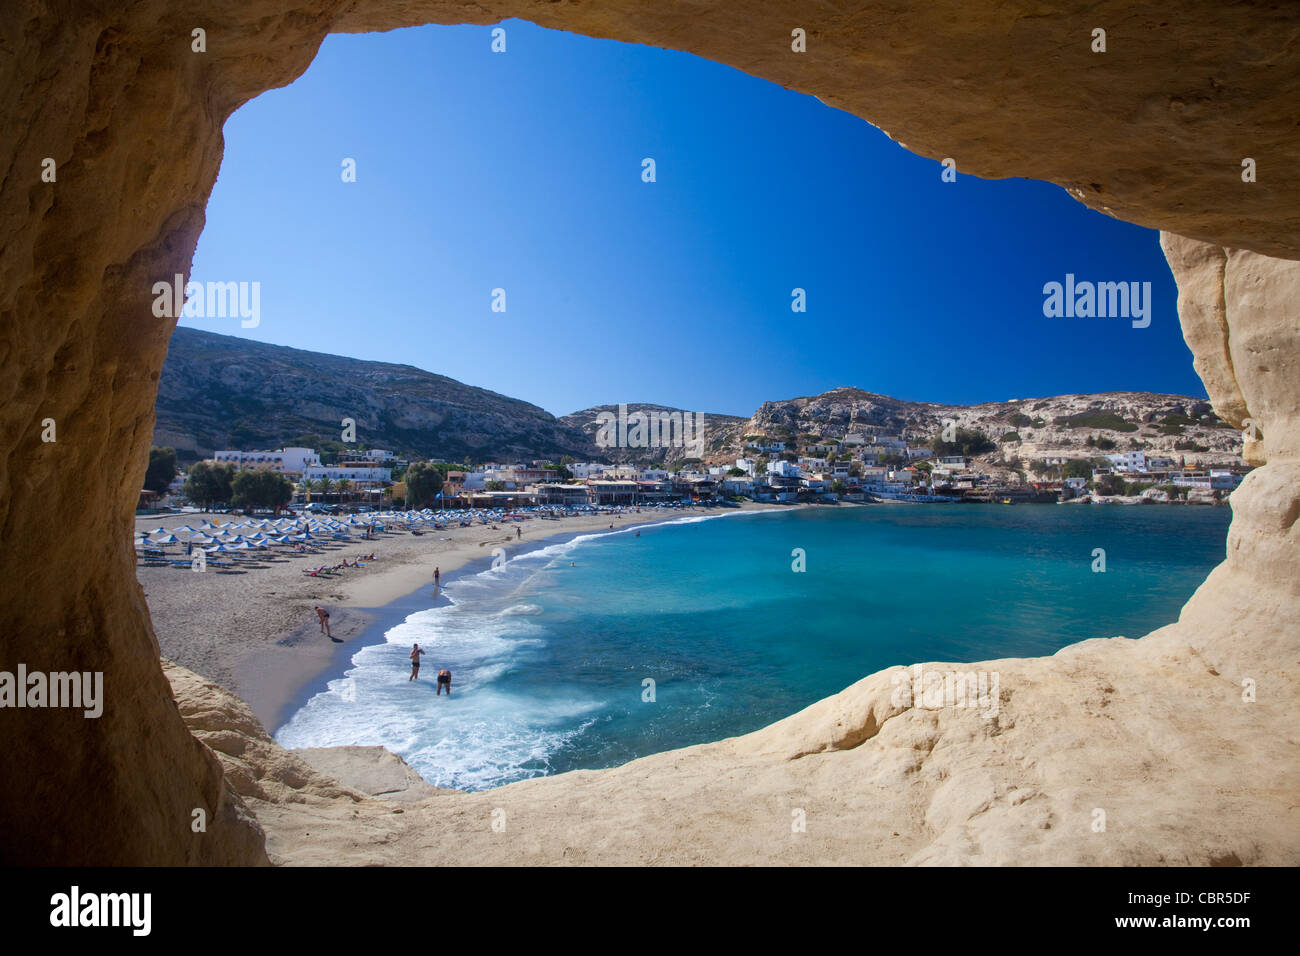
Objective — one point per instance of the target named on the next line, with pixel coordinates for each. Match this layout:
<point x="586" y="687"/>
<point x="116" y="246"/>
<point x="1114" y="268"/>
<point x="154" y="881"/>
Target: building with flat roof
<point x="560" y="495"/>
<point x="290" y="461"/>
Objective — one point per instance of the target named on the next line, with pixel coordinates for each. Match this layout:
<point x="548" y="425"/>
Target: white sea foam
<point x="485" y="735"/>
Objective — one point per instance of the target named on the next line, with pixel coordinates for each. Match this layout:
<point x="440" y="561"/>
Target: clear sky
<point x="522" y="171"/>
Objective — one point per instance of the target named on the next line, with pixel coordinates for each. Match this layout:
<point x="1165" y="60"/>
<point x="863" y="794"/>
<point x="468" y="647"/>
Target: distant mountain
<point x="721" y="433"/>
<point x="1028" y="429"/>
<point x="219" y="391"/>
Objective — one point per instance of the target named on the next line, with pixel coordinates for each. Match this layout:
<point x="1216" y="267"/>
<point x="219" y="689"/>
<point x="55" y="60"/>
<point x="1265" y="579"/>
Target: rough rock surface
<point x="371" y="770"/>
<point x="1153" y="131"/>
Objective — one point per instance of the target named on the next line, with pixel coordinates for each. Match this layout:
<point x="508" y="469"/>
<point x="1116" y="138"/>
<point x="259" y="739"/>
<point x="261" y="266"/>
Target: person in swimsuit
<point x="324" y="618"/>
<point x="444" y="680"/>
<point x="437" y="577"/>
<point x="415" y="662"/>
<point x="518" y="534"/>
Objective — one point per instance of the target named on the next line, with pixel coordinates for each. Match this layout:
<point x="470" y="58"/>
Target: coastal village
<point x="858" y="467"/>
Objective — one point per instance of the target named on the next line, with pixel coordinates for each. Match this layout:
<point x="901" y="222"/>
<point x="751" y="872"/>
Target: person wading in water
<point x="415" y="662"/>
<point x="444" y="679"/>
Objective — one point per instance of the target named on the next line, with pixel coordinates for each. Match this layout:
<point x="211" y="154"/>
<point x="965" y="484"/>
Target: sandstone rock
<point x="1153" y="131"/>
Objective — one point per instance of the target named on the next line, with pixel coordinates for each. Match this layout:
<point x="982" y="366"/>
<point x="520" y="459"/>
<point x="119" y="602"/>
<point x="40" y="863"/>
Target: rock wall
<point x="1154" y="131"/>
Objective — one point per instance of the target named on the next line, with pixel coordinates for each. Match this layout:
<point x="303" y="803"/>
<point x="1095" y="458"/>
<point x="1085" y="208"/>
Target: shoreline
<point x="255" y="633"/>
<point x="301" y="677"/>
<point x="281" y="659"/>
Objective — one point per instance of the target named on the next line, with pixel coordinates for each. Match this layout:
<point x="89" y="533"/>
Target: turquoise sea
<point x="550" y="652"/>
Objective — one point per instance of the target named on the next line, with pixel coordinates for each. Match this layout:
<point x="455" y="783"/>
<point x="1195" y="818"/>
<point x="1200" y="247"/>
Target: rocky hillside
<point x="721" y="434"/>
<point x="1028" y="429"/>
<point x="220" y="391"/>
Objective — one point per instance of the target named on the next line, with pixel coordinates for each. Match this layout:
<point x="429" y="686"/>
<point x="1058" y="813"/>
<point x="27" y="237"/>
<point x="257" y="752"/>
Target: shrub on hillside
<point x="1107" y="420"/>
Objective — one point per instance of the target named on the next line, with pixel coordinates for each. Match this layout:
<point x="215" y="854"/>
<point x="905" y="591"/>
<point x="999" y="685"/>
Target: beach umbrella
<point x="165" y="538"/>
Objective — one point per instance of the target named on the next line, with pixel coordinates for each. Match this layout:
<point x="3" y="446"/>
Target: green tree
<point x="161" y="470"/>
<point x="1111" y="485"/>
<point x="208" y="483"/>
<point x="261" y="488"/>
<point x="423" y="482"/>
<point x="966" y="442"/>
<point x="343" y="485"/>
<point x="1077" y="468"/>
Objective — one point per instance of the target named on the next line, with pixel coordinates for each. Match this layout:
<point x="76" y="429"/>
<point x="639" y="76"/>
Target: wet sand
<point x="256" y="633"/>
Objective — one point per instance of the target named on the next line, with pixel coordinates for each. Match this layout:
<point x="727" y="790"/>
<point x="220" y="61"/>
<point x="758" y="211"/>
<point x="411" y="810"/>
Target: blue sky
<point x="522" y="171"/>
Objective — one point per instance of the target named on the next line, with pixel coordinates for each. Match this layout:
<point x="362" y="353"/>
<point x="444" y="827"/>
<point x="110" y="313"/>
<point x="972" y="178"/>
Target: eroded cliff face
<point x="1154" y="131"/>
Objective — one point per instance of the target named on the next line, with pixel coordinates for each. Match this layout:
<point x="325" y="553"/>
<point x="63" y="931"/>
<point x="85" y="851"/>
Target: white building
<point x="1219" y="479"/>
<point x="738" y="486"/>
<point x="621" y="472"/>
<point x="357" y="478"/>
<point x="746" y="465"/>
<point x="373" y="454"/>
<point x="286" y="460"/>
<point x="783" y="469"/>
<point x="1131" y="461"/>
<point x="582" y="470"/>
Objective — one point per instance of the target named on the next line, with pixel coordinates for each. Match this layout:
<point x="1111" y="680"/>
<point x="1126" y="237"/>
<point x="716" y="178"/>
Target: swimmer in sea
<point x="444" y="680"/>
<point x="415" y="662"/>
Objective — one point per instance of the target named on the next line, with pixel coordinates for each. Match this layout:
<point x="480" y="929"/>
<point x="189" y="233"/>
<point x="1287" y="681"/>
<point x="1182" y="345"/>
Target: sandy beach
<point x="256" y="633"/>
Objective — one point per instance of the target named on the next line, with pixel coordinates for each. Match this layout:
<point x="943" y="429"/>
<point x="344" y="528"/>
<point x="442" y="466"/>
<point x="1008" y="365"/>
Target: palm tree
<point x="323" y="485"/>
<point x="305" y="487"/>
<point x="343" y="485"/>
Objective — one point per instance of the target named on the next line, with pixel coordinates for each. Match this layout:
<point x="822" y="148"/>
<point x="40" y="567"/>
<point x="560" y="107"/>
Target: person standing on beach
<point x="415" y="662"/>
<point x="324" y="617"/>
<point x="437" y="577"/>
<point x="518" y="533"/>
<point x="444" y="679"/>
